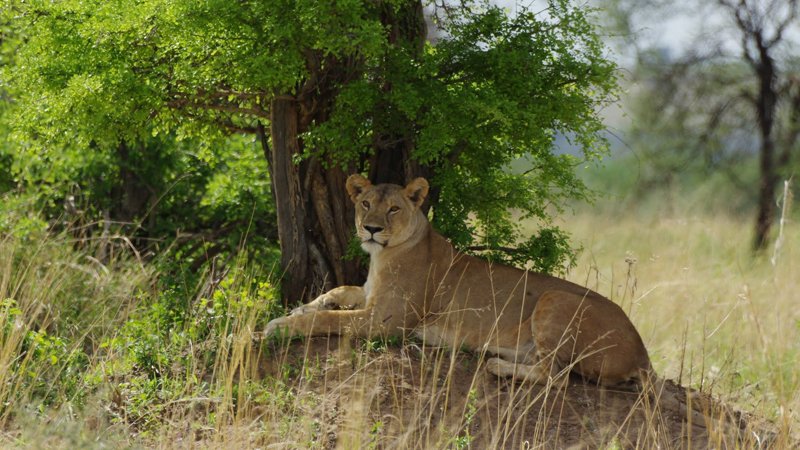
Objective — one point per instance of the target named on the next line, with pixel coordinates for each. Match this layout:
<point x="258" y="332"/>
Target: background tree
<point x="731" y="95"/>
<point x="329" y="88"/>
<point x="762" y="27"/>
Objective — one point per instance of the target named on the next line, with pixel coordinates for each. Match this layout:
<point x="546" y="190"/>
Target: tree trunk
<point x="766" y="196"/>
<point x="133" y="195"/>
<point x="396" y="165"/>
<point x="766" y="103"/>
<point x="392" y="160"/>
<point x="289" y="206"/>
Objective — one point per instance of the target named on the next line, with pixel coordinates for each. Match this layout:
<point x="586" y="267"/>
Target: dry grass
<point x="711" y="315"/>
<point x="57" y="306"/>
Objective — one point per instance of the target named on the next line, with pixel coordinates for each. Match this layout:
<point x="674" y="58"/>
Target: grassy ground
<point x="99" y="353"/>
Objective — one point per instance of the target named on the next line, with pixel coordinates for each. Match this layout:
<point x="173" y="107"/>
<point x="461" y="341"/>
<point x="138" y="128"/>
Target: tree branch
<point x="182" y="102"/>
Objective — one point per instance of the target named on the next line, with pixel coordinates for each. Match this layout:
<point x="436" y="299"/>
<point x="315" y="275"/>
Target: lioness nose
<point x="372" y="229"/>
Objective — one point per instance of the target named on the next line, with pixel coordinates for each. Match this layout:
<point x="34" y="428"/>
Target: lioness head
<point x="387" y="215"/>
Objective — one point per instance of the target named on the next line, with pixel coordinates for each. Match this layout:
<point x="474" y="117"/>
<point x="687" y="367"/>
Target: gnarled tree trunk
<point x="315" y="219"/>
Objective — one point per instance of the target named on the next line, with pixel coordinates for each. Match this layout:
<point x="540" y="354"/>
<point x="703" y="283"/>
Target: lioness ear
<point x="356" y="184"/>
<point x="416" y="191"/>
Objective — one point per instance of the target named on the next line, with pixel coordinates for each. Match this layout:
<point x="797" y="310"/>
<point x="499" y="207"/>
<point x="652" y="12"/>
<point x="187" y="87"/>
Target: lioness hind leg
<point x="590" y="334"/>
<point x="538" y="373"/>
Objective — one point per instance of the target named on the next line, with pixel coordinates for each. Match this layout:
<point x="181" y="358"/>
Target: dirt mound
<point x="405" y="396"/>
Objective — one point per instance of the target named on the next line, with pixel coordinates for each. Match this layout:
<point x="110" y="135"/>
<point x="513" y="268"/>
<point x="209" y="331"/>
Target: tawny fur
<point x="537" y="325"/>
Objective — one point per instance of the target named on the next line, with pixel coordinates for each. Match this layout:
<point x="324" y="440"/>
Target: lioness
<point x="419" y="284"/>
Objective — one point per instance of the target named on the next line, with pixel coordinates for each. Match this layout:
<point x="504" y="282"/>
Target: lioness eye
<point x="365" y="204"/>
<point x="393" y="209"/>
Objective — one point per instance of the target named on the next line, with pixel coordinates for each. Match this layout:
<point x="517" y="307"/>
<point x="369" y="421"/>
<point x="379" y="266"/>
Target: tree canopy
<point x="327" y="87"/>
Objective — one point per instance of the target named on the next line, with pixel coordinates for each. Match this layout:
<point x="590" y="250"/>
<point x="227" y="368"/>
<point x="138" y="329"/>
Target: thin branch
<point x="186" y="102"/>
<point x="485" y="248"/>
<point x="793" y="134"/>
<point x="790" y="19"/>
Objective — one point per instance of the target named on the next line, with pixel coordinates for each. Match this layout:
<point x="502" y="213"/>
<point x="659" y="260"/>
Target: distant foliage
<point x="727" y="101"/>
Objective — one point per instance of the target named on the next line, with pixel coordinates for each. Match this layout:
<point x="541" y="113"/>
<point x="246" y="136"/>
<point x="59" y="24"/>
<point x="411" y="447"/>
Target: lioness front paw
<point x="322" y="303"/>
<point x="308" y="309"/>
<point x="276" y="325"/>
<point x="302" y="309"/>
<point x="500" y="367"/>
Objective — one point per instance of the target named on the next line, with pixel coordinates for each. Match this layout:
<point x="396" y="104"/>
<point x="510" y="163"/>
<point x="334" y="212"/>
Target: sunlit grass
<point x="57" y="306"/>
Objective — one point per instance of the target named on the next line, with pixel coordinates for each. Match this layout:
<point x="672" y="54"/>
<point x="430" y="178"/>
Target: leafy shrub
<point x="195" y="199"/>
<point x="181" y="343"/>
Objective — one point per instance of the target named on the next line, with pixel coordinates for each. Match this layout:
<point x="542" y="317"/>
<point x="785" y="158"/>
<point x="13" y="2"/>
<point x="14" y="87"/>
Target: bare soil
<point x="405" y="396"/>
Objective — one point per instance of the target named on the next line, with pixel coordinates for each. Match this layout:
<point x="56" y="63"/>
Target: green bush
<point x="194" y="199"/>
